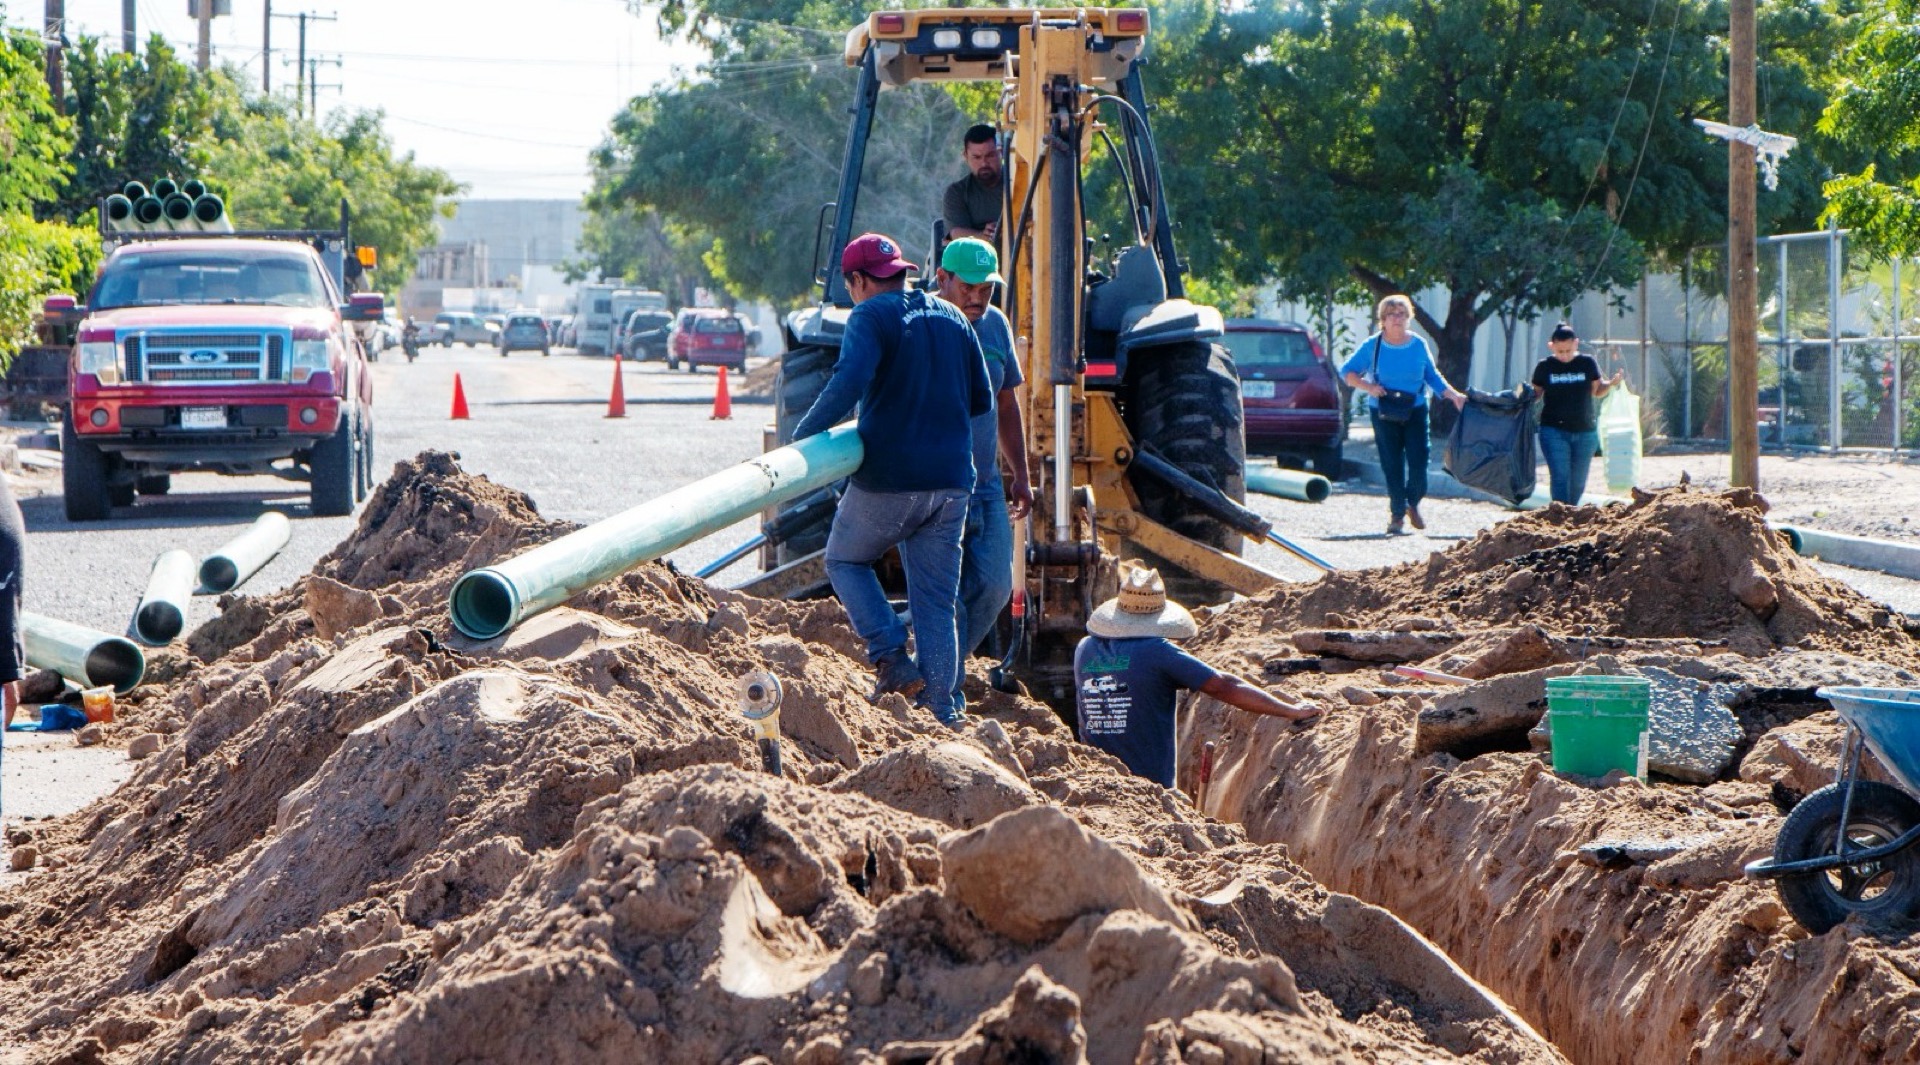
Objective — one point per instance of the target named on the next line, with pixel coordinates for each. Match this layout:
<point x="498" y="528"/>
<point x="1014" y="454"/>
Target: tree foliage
<point x="1510" y="154"/>
<point x="135" y="118"/>
<point x="744" y="153"/>
<point x="1877" y="112"/>
<point x="33" y="135"/>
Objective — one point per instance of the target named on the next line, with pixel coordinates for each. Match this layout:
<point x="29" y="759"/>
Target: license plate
<point x="203" y="417"/>
<point x="1257" y="389"/>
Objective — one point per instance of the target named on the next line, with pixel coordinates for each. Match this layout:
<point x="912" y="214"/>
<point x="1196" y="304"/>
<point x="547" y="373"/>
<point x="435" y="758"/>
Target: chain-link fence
<point x="1854" y="387"/>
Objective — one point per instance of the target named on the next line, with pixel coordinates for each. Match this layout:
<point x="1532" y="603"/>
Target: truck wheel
<point x="83" y="476"/>
<point x="154" y="484"/>
<point x="1883" y="893"/>
<point x="121" y="493"/>
<point x="1184" y="404"/>
<point x="333" y="475"/>
<point x="363" y="459"/>
<point x="803" y="373"/>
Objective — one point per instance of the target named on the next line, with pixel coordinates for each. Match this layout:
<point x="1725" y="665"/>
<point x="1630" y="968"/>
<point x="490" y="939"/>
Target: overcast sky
<point x="507" y="97"/>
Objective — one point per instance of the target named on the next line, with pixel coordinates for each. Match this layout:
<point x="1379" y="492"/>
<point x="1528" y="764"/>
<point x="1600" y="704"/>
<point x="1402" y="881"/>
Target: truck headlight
<point x="99" y="357"/>
<point x="309" y="355"/>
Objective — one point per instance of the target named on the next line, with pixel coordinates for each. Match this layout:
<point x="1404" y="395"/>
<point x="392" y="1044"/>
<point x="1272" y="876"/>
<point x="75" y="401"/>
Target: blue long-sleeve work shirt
<point x="912" y="363"/>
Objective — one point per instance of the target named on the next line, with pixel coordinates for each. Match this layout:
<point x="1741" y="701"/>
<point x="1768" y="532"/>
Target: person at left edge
<point x="912" y="363"/>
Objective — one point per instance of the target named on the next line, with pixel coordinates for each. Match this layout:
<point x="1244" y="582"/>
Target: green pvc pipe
<point x="242" y="556"/>
<point x="119" y="212"/>
<point x="1289" y="484"/>
<point x="178" y="211"/>
<point x="487" y="602"/>
<point x="193" y="188"/>
<point x="210" y="213"/>
<point x="148" y="212"/>
<point x="162" y="614"/>
<point x="87" y="657"/>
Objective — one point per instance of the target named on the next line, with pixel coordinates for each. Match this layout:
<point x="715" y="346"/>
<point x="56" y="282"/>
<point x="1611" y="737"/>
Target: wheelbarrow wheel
<point x="1883" y="893"/>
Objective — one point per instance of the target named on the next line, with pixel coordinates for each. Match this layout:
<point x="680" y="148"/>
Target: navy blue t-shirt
<point x="913" y="364"/>
<point x="1124" y="690"/>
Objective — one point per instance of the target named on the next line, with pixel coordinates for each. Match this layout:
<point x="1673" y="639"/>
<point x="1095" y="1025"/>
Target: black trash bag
<point x="1491" y="446"/>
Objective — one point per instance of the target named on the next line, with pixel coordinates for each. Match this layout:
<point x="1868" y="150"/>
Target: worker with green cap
<point x="968" y="271"/>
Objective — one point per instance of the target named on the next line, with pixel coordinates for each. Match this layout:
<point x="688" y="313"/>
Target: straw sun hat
<point x="1141" y="609"/>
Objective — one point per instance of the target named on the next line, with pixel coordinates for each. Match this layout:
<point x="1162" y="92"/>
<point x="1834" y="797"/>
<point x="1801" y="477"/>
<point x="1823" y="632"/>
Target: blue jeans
<point x="1569" y="454"/>
<point x="926" y="526"/>
<point x="986" y="567"/>
<point x="1403" y="459"/>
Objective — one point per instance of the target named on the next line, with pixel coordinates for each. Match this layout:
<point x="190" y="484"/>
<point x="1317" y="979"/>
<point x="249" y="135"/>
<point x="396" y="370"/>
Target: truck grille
<point x="182" y="358"/>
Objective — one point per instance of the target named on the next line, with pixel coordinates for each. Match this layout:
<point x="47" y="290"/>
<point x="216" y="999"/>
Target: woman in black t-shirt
<point x="1568" y="383"/>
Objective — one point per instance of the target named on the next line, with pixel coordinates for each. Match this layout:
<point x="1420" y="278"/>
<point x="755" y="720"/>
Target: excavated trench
<point x="1612" y="914"/>
<point x="364" y="839"/>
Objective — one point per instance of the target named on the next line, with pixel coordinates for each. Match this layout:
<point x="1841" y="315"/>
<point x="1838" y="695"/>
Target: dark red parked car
<point x="707" y="338"/>
<point x="1289" y="391"/>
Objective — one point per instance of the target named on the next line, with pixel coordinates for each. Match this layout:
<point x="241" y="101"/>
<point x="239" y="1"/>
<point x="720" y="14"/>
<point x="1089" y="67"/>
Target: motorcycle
<point x="410" y="343"/>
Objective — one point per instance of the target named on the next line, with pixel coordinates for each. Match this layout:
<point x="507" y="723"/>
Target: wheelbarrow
<point x="1848" y="849"/>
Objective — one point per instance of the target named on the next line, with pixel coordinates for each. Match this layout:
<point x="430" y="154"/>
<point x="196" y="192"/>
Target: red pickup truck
<point x="233" y="354"/>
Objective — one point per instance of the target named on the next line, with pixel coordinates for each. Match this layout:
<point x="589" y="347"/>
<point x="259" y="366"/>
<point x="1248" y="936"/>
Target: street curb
<point x="1857" y="552"/>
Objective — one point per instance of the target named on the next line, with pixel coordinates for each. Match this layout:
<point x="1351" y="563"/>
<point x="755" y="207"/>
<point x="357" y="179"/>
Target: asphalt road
<point x="539" y="425"/>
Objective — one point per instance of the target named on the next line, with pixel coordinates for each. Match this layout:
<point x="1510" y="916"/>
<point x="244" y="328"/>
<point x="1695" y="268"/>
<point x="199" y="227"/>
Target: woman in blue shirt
<point x="1396" y="369"/>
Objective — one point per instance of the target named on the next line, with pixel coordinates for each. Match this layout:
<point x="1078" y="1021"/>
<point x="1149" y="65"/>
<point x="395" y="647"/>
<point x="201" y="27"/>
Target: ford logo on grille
<point x="203" y="356"/>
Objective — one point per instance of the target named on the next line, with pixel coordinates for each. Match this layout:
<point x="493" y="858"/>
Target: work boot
<point x="1397" y="527"/>
<point x="1413" y="517"/>
<point x="895" y="672"/>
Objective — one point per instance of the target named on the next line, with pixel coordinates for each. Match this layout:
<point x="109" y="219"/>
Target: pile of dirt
<point x="1676" y="563"/>
<point x="367" y="839"/>
<point x="1614" y="915"/>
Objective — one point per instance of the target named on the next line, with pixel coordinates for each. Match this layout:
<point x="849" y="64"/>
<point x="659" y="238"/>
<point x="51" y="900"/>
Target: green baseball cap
<point x="972" y="260"/>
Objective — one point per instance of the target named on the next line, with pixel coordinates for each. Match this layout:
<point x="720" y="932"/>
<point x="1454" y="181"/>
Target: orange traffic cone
<point x="617" y="403"/>
<point x="722" y="402"/>
<point x="459" y="400"/>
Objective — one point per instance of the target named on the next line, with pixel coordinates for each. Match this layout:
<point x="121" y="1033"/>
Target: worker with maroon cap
<point x="911" y="362"/>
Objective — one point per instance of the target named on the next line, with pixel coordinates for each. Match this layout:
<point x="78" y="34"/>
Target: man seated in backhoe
<point x="1127" y="673"/>
<point x="972" y="204"/>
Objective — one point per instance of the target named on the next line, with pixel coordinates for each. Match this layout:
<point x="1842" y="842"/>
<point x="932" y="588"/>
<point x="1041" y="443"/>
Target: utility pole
<point x="314" y="86"/>
<point x="204" y="9"/>
<point x="54" y="34"/>
<point x="266" y="52"/>
<point x="129" y="42"/>
<point x="1743" y="340"/>
<point x="300" y="60"/>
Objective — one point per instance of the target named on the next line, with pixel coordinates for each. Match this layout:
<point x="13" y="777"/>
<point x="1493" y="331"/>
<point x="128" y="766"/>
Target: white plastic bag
<point x="1620" y="438"/>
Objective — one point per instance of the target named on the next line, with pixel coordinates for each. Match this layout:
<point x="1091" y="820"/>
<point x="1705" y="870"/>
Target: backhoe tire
<point x="1884" y="894"/>
<point x="1183" y="403"/>
<point x="804" y="372"/>
<point x="333" y="473"/>
<point x="84" y="469"/>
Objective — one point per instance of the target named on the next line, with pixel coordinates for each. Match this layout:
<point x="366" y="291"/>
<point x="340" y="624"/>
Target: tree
<point x="1511" y="153"/>
<point x="33" y="135"/>
<point x="745" y="154"/>
<point x="134" y="119"/>
<point x="620" y="240"/>
<point x="1878" y="113"/>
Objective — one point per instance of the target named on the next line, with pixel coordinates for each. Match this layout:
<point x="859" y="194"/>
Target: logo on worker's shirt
<point x="1566" y="378"/>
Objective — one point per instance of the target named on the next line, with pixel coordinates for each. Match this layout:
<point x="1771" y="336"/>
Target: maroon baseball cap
<point x="873" y="254"/>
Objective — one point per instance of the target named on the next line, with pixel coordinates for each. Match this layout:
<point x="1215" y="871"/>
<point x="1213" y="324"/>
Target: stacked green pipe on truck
<point x="487" y="602"/>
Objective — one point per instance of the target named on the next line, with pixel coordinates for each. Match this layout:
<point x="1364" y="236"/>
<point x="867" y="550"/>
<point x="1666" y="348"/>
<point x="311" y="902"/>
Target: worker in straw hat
<point x="1127" y="671"/>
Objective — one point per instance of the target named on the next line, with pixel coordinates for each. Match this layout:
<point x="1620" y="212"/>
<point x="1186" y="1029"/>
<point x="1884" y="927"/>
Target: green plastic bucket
<point x="1599" y="724"/>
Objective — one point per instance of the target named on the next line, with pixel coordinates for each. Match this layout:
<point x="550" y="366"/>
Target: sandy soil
<point x="363" y="839"/>
<point x="1612" y="914"/>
